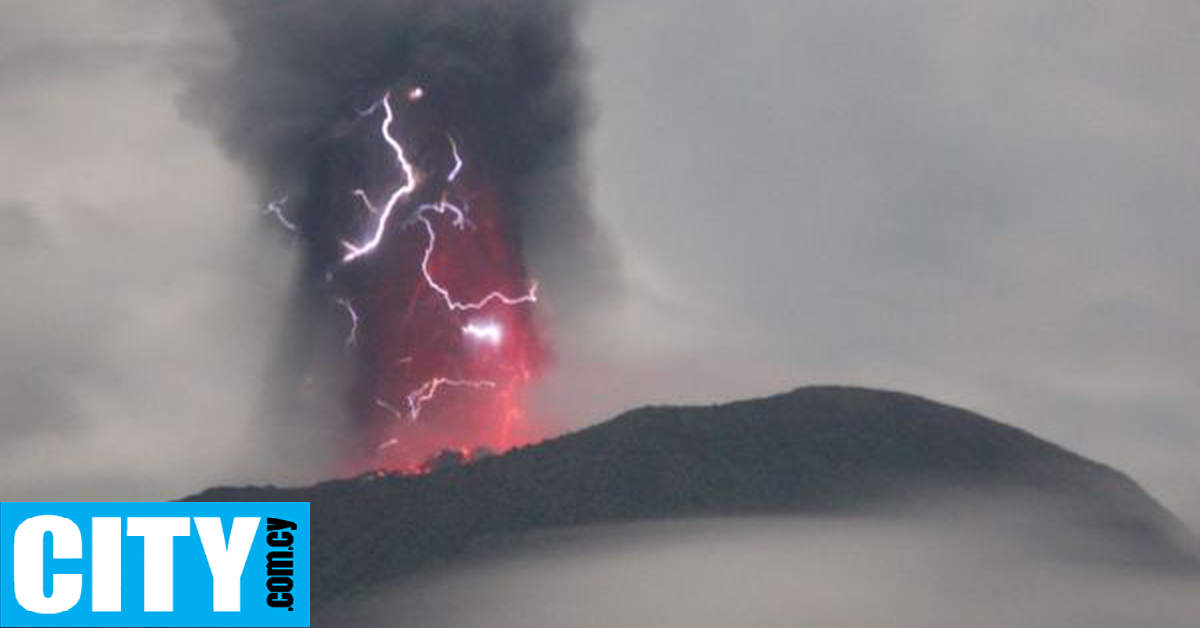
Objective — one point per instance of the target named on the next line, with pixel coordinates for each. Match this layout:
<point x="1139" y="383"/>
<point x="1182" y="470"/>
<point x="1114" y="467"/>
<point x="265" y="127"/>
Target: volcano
<point x="813" y="451"/>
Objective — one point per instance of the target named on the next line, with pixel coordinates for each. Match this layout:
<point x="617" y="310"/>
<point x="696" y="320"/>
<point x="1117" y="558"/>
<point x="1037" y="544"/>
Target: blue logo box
<point x="154" y="564"/>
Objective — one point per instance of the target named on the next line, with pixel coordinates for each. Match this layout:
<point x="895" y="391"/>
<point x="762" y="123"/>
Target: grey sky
<point x="989" y="205"/>
<point x="139" y="301"/>
<point x="992" y="206"/>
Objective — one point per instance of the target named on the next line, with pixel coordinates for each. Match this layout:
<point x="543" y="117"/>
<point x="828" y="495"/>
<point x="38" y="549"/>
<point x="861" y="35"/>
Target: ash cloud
<point x="137" y="294"/>
<point x="504" y="76"/>
<point x="511" y="70"/>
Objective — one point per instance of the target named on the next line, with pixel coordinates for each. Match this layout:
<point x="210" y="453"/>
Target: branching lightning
<point x="411" y="177"/>
<point x="451" y="303"/>
<point x="429" y="390"/>
<point x="275" y="208"/>
<point x="355" y="251"/>
<point x="483" y="330"/>
<point x="431" y="164"/>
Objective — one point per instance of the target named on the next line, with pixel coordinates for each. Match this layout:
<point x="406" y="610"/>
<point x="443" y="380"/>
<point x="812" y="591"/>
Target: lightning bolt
<point x="393" y="410"/>
<point x="451" y="303"/>
<point x="275" y="208"/>
<point x="458" y="161"/>
<point x="352" y="337"/>
<point x="442" y="207"/>
<point x="355" y="251"/>
<point x="424" y="215"/>
<point x="429" y="390"/>
<point x="366" y="200"/>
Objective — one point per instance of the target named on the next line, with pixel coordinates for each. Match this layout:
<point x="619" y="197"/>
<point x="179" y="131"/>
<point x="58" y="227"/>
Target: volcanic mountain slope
<point x="814" y="450"/>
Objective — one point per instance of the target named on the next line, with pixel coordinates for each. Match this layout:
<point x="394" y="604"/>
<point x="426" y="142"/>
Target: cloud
<point x="969" y="566"/>
<point x="504" y="79"/>
<point x="140" y="296"/>
<point x="992" y="206"/>
<point x="20" y="228"/>
<point x="988" y="205"/>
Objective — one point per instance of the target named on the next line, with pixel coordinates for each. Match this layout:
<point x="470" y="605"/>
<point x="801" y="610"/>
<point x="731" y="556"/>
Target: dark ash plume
<point x="504" y="73"/>
<point x="302" y="68"/>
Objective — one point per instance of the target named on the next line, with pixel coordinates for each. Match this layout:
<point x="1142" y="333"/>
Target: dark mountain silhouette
<point x="814" y="450"/>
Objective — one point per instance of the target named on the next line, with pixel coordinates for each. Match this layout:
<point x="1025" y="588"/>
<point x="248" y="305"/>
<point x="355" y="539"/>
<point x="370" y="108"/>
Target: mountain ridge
<point x="813" y="450"/>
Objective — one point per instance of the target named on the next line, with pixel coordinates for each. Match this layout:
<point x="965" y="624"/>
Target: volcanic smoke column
<point x="424" y="156"/>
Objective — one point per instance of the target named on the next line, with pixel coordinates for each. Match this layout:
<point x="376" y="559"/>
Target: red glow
<point x="423" y="385"/>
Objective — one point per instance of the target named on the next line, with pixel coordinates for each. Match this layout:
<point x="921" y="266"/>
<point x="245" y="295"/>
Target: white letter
<point x="106" y="564"/>
<point x="227" y="564"/>
<point x="65" y="542"/>
<point x="160" y="533"/>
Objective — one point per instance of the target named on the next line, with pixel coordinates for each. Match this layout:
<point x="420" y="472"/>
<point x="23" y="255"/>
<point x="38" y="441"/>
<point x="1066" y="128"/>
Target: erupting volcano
<point x="438" y="302"/>
<point x="424" y="157"/>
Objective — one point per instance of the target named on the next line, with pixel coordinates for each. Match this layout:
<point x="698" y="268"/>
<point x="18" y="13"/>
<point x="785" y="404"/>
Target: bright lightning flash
<point x="486" y="331"/>
<point x="355" y="251"/>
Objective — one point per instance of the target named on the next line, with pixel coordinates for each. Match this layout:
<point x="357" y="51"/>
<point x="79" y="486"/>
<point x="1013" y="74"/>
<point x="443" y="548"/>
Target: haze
<point x="991" y="206"/>
<point x="944" y="568"/>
